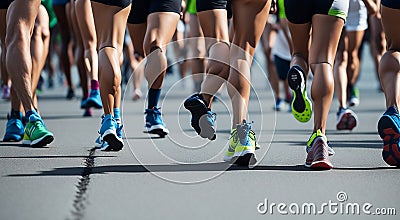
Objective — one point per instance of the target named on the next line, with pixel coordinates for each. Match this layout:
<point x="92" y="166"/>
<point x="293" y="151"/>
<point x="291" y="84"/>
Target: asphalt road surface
<point x="183" y="177"/>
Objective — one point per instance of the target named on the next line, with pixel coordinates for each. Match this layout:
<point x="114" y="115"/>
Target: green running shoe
<point x="301" y="105"/>
<point x="36" y="134"/>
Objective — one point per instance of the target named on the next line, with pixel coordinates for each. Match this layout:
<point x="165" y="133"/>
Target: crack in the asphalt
<point x="80" y="201"/>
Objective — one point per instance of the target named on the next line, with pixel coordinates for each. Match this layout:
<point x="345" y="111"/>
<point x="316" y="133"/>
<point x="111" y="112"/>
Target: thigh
<point x="160" y="29"/>
<point x="137" y="33"/>
<point x="247" y="32"/>
<point x="390" y="20"/>
<point x="300" y="39"/>
<point x="325" y="38"/>
<point x="21" y="17"/>
<point x="110" y="24"/>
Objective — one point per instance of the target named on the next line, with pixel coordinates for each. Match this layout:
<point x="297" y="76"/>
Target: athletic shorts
<point x="5" y="3"/>
<point x="118" y="3"/>
<point x="282" y="67"/>
<point x="60" y="2"/>
<point x="206" y="5"/>
<point x="395" y="4"/>
<point x="142" y="8"/>
<point x="357" y="18"/>
<point x="302" y="11"/>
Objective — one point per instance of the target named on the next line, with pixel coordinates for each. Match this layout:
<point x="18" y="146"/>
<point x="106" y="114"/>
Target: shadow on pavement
<point x="77" y="171"/>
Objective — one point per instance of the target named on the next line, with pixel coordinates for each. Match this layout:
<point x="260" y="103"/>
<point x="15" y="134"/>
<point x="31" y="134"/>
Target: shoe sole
<point x="43" y="141"/>
<point x="347" y="122"/>
<point x="12" y="139"/>
<point x="92" y="104"/>
<point x="206" y="129"/>
<point x="354" y="103"/>
<point x="384" y="125"/>
<point x="387" y="129"/>
<point x="320" y="165"/>
<point x="247" y="160"/>
<point x="157" y="129"/>
<point x="114" y="143"/>
<point x="301" y="105"/>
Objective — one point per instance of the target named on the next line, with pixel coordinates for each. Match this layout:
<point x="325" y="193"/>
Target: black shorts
<point x="118" y="3"/>
<point x="5" y="3"/>
<point x="142" y="8"/>
<point x="282" y="67"/>
<point x="394" y="4"/>
<point x="206" y="5"/>
<point x="302" y="11"/>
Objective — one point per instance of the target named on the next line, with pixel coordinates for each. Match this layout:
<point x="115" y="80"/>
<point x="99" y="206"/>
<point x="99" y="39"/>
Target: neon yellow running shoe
<point x="242" y="146"/>
<point x="301" y="104"/>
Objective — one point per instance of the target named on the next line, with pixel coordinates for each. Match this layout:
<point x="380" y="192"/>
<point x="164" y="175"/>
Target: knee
<point x="218" y="68"/>
<point x="151" y="46"/>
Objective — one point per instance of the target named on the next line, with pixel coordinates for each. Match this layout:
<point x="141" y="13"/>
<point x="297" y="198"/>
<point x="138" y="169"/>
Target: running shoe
<point x="103" y="145"/>
<point x="354" y="99"/>
<point x="108" y="133"/>
<point x="14" y="127"/>
<point x="203" y="119"/>
<point x="318" y="153"/>
<point x="242" y="146"/>
<point x="346" y="119"/>
<point x="94" y="99"/>
<point x="154" y="123"/>
<point x="36" y="134"/>
<point x="389" y="131"/>
<point x="83" y="103"/>
<point x="278" y="105"/>
<point x="316" y="134"/>
<point x="70" y="94"/>
<point x="301" y="105"/>
<point x="6" y="92"/>
<point x="88" y="112"/>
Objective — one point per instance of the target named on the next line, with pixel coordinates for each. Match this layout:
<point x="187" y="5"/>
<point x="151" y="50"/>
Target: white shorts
<point x="357" y="16"/>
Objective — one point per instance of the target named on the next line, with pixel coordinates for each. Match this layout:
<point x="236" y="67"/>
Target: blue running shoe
<point x="119" y="127"/>
<point x="203" y="119"/>
<point x="103" y="145"/>
<point x="83" y="103"/>
<point x="94" y="99"/>
<point x="108" y="134"/>
<point x="14" y="127"/>
<point x="154" y="123"/>
<point x="389" y="130"/>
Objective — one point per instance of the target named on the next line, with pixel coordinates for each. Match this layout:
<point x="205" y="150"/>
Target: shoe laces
<point x="154" y="111"/>
<point x="243" y="131"/>
<point x="212" y="114"/>
<point x="314" y="135"/>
